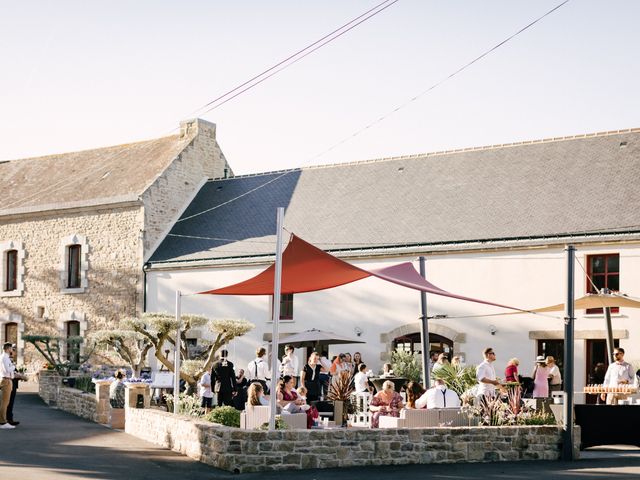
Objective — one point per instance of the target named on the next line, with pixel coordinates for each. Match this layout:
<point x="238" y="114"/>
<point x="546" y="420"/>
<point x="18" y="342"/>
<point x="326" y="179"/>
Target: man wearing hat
<point x="541" y="378"/>
<point x="289" y="365"/>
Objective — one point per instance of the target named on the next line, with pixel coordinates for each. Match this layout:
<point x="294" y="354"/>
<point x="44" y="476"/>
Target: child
<point x="302" y="395"/>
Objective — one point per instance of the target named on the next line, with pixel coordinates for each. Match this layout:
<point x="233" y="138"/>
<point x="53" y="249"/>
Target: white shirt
<point x="7" y="368"/>
<point x="486" y="370"/>
<point x="361" y="382"/>
<point x="258" y="369"/>
<point x="618" y="372"/>
<point x="289" y="366"/>
<point x="438" y="397"/>
<point x="325" y="363"/>
<point x="555" y="374"/>
<point x="205" y="386"/>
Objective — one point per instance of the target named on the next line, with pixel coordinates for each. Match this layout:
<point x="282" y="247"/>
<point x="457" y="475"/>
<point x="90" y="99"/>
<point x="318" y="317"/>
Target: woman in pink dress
<point x="387" y="402"/>
<point x="541" y="378"/>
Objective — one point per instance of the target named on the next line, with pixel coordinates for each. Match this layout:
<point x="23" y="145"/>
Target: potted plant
<point x="340" y="392"/>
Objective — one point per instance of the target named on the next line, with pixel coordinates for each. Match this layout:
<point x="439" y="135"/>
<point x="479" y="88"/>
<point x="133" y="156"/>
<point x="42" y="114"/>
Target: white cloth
<point x="205" y="386"/>
<point x="486" y="370"/>
<point x="361" y="382"/>
<point x="290" y="366"/>
<point x="258" y="369"/>
<point x="556" y="378"/>
<point x="7" y="368"/>
<point x="617" y="373"/>
<point x="438" y="397"/>
<point x="325" y="363"/>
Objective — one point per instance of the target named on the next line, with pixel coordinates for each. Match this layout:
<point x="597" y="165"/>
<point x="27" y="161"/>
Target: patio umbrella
<point x="315" y="337"/>
<point x="594" y="300"/>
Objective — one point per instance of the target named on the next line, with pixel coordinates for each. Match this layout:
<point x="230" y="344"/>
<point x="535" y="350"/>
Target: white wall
<point x="524" y="279"/>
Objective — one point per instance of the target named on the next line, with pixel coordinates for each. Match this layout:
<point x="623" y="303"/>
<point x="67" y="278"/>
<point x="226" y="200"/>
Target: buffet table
<point x="608" y="424"/>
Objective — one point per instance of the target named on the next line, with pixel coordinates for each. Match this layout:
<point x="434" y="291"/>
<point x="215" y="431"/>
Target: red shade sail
<point x="306" y="268"/>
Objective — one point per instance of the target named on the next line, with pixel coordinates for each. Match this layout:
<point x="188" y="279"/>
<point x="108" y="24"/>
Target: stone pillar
<point x="48" y="385"/>
<point x="135" y="389"/>
<point x="102" y="401"/>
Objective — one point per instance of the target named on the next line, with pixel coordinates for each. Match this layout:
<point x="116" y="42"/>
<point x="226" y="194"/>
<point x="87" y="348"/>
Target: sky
<point x="79" y="75"/>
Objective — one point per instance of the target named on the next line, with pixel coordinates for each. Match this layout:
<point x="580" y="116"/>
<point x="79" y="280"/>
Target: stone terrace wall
<point x="81" y="404"/>
<point x="251" y="451"/>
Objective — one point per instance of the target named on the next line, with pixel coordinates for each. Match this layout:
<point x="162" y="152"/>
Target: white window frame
<point x="4" y="248"/>
<point x="63" y="268"/>
<point x="71" y="316"/>
<point x="8" y="317"/>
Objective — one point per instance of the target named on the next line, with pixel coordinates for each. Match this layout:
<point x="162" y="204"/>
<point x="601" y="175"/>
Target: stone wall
<point x="114" y="275"/>
<point x="251" y="451"/>
<point x="165" y="200"/>
<point x="81" y="404"/>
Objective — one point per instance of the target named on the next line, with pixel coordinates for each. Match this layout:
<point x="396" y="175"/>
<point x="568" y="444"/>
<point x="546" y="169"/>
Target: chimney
<point x="197" y="126"/>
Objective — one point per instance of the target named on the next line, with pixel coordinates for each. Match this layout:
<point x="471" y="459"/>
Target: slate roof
<point x="91" y="177"/>
<point x="572" y="186"/>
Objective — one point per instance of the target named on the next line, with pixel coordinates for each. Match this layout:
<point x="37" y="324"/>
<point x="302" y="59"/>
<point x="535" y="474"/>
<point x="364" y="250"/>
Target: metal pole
<point x="607" y="316"/>
<point x="176" y="360"/>
<point x="424" y="328"/>
<point x="567" y="434"/>
<point x="276" y="317"/>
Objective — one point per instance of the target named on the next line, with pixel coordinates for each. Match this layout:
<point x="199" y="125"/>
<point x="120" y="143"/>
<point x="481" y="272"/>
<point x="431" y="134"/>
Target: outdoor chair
<point x="362" y="416"/>
<point x="254" y="417"/>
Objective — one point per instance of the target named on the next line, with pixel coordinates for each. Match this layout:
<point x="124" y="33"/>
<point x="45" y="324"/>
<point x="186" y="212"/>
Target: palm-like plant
<point x="456" y="377"/>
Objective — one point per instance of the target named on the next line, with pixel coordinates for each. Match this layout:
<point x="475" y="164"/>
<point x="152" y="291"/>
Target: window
<point x="11" y="270"/>
<point x="73" y="346"/>
<point x="286" y="306"/>
<point x="11" y="332"/>
<point x="73" y="266"/>
<point x="604" y="271"/>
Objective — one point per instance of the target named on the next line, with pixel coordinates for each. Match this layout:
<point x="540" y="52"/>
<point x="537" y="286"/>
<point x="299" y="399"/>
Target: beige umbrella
<point x="593" y="300"/>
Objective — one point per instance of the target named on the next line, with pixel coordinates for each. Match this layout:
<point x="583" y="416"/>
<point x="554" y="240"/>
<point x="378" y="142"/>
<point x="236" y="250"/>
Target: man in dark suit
<point x="223" y="378"/>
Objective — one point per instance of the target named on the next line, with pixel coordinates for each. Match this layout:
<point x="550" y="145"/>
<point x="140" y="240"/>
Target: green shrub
<point x="187" y="405"/>
<point x="407" y="365"/>
<point x="456" y="377"/>
<point x="280" y="424"/>
<point x="85" y="384"/>
<point x="225" y="415"/>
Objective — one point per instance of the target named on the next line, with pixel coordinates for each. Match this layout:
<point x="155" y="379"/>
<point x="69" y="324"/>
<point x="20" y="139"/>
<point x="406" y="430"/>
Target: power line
<point x="385" y="116"/>
<point x="284" y="63"/>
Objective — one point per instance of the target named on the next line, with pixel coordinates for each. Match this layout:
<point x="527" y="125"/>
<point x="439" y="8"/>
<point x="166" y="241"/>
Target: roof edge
<point x="110" y="202"/>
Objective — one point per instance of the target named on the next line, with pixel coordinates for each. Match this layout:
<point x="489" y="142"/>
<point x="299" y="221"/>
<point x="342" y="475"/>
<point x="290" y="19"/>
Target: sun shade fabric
<point x="306" y="268"/>
<point x="593" y="301"/>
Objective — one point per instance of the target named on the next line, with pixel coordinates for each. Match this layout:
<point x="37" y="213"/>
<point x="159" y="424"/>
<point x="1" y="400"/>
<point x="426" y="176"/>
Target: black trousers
<point x="12" y="399"/>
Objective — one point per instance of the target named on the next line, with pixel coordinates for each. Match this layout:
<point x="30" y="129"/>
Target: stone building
<point x="77" y="228"/>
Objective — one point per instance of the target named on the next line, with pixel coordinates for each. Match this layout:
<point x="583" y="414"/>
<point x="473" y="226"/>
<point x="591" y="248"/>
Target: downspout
<point x="144" y="287"/>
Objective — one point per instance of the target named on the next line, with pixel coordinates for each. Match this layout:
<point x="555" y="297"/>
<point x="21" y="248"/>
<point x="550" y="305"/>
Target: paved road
<point x="52" y="445"/>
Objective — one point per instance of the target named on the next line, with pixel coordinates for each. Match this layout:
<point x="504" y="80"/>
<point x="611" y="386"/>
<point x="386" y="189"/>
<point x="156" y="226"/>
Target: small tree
<point x="456" y="377"/>
<point x="153" y="330"/>
<point x="130" y="345"/>
<point x="52" y="347"/>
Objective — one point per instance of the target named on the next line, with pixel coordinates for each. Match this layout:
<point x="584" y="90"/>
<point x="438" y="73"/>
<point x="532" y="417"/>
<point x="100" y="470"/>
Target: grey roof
<point x="553" y="188"/>
<point x="91" y="177"/>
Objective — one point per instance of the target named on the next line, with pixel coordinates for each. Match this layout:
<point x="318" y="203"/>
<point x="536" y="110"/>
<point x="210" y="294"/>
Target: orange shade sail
<point x="306" y="268"/>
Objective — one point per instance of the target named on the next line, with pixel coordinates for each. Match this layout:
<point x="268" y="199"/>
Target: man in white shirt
<point x="438" y="397"/>
<point x="618" y="373"/>
<point x="7" y="370"/>
<point x="361" y="380"/>
<point x="486" y="374"/>
<point x="290" y="365"/>
<point x="258" y="369"/>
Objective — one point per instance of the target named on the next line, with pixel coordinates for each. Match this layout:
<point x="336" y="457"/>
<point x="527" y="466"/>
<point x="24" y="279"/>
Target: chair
<point x="362" y="417"/>
<point x="254" y="417"/>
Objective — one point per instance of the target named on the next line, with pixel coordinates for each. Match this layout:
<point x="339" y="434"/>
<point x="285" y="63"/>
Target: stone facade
<point x="243" y="451"/>
<point x="115" y="237"/>
<point x="72" y="400"/>
<point x="171" y="193"/>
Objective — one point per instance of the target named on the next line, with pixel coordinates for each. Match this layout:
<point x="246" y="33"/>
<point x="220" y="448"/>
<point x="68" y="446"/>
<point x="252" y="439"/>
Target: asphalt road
<point x="50" y="444"/>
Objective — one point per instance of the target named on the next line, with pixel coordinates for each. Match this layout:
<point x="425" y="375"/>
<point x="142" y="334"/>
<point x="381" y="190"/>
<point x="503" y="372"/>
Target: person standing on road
<point x="16" y="379"/>
<point x="7" y="370"/>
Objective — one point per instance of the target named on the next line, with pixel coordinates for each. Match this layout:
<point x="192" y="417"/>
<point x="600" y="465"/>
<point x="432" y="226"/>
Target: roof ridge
<point x="496" y="146"/>
<point x="121" y="145"/>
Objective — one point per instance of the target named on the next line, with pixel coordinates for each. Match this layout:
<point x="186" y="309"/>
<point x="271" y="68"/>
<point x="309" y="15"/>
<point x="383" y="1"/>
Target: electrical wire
<point x="329" y="37"/>
<point x="385" y="116"/>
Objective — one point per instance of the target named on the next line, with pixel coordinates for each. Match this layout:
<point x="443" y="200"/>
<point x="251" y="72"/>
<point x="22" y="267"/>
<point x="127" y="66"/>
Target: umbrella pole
<point x="276" y="317"/>
<point x="607" y="316"/>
